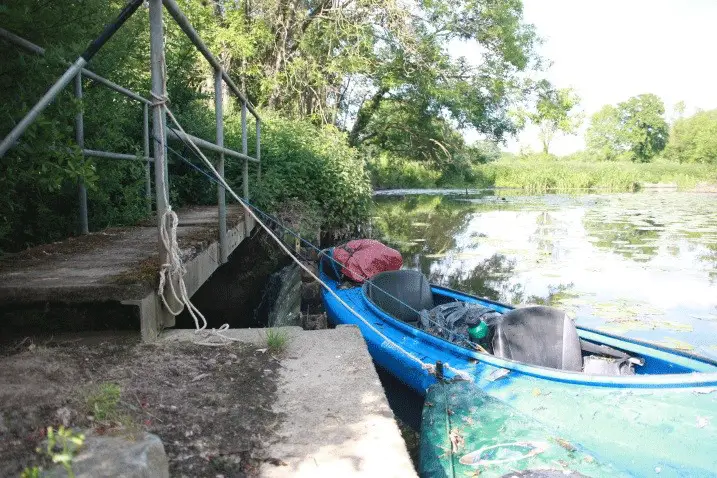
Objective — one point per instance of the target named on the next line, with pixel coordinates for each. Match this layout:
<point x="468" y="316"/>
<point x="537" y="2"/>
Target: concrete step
<point x="337" y="418"/>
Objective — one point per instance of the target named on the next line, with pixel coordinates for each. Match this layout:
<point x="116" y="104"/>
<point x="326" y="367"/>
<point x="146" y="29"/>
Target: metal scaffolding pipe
<point x="109" y="155"/>
<point x="159" y="92"/>
<point x="258" y="148"/>
<point x="147" y="166"/>
<point x="80" y="138"/>
<point x="244" y="150"/>
<point x="209" y="146"/>
<point x="221" y="196"/>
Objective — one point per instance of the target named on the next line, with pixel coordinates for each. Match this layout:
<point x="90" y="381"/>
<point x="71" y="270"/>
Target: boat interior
<point x="534" y="335"/>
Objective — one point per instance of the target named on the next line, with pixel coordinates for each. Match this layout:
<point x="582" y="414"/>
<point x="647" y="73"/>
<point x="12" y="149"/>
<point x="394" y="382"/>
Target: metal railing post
<point x="156" y="43"/>
<point x="258" y="148"/>
<point x="245" y="173"/>
<point x="147" y="167"/>
<point x="80" y="138"/>
<point x="221" y="196"/>
<point x="166" y="151"/>
<point x="244" y="150"/>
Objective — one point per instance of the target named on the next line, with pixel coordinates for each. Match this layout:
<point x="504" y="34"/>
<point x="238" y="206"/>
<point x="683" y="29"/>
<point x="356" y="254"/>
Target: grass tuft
<point x="277" y="340"/>
<point x="103" y="402"/>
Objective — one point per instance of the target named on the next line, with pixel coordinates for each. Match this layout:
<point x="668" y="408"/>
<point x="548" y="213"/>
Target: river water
<point x="638" y="264"/>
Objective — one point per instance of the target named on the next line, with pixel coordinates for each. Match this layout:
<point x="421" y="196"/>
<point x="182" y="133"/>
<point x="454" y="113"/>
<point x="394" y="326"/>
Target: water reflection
<point x="490" y="278"/>
<point x="640" y="264"/>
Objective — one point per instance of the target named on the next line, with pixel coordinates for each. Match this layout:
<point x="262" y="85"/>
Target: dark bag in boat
<point x="451" y="321"/>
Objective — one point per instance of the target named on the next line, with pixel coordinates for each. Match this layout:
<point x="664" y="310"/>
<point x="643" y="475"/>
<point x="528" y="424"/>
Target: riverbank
<point x="313" y="408"/>
<point x="210" y="406"/>
<point x="541" y="176"/>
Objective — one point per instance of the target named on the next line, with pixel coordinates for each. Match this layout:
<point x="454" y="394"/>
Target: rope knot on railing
<point x="159" y="100"/>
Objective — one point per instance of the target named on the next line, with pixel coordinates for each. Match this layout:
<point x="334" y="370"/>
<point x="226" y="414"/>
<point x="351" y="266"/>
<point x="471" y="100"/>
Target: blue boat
<point x="657" y="415"/>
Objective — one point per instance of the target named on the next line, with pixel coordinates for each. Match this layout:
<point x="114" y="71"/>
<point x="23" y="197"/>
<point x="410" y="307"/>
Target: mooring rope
<point x="276" y="221"/>
<point x="175" y="270"/>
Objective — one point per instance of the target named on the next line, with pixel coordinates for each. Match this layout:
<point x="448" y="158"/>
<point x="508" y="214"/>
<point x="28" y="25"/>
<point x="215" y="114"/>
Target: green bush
<point x="311" y="164"/>
<point x="389" y="171"/>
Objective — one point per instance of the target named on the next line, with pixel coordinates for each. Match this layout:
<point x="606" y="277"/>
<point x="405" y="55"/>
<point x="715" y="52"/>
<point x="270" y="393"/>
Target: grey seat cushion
<point x="539" y="335"/>
<point x="409" y="287"/>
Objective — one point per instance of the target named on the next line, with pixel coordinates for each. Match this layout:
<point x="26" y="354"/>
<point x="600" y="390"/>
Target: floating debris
<point x="565" y="444"/>
<point x="676" y="344"/>
<point x="521" y="451"/>
<point x="457" y="440"/>
<point x="497" y="374"/>
<point x="702" y="422"/>
<point x="710" y="317"/>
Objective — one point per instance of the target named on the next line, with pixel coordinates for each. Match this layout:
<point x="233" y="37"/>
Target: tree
<point x="694" y="139"/>
<point x="636" y="129"/>
<point x="554" y="112"/>
<point x="604" y="136"/>
<point x="415" y="88"/>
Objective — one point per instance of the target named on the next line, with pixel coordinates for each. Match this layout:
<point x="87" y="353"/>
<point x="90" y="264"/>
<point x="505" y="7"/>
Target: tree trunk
<point x="365" y="114"/>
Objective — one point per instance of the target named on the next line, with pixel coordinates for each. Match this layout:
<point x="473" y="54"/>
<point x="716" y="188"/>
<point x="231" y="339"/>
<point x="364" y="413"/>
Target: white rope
<point x="173" y="271"/>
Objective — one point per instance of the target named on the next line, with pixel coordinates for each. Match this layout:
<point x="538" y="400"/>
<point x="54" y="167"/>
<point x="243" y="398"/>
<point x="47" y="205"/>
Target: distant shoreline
<point x="543" y="176"/>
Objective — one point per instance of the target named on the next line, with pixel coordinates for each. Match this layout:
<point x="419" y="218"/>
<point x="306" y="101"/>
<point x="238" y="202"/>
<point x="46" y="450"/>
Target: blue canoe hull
<point x="664" y="419"/>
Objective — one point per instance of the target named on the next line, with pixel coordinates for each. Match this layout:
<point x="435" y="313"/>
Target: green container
<point x="478" y="332"/>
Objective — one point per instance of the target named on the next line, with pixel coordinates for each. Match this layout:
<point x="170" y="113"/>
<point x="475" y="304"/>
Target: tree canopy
<point x="634" y="129"/>
<point x="694" y="139"/>
<point x="554" y="112"/>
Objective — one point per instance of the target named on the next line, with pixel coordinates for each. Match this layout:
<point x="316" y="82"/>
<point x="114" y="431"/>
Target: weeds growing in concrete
<point x="276" y="340"/>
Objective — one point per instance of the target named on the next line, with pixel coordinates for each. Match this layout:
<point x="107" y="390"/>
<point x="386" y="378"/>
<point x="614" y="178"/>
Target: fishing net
<point x="451" y="321"/>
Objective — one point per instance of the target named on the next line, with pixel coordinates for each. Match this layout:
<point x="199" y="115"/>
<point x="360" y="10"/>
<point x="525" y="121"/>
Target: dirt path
<point x="211" y="406"/>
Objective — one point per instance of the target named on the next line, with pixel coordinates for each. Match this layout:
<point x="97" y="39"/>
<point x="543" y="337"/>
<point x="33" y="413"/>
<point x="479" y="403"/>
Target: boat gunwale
<point x="677" y="380"/>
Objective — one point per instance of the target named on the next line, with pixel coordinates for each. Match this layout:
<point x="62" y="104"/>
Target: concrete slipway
<point x="338" y="421"/>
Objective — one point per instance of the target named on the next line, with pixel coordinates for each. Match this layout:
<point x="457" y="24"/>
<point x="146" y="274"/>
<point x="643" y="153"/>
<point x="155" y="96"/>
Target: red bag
<point x="364" y="258"/>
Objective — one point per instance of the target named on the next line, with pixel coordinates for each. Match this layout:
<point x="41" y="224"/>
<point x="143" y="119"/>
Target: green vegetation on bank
<point x="539" y="176"/>
<point x="627" y="145"/>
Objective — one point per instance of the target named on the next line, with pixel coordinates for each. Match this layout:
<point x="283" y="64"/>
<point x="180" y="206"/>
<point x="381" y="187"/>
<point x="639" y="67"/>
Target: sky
<point x="610" y="50"/>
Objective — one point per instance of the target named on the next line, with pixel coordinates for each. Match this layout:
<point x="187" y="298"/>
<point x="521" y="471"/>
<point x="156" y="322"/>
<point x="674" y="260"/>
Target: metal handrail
<point x="79" y="125"/>
<point x="209" y="146"/>
<point x="76" y="70"/>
